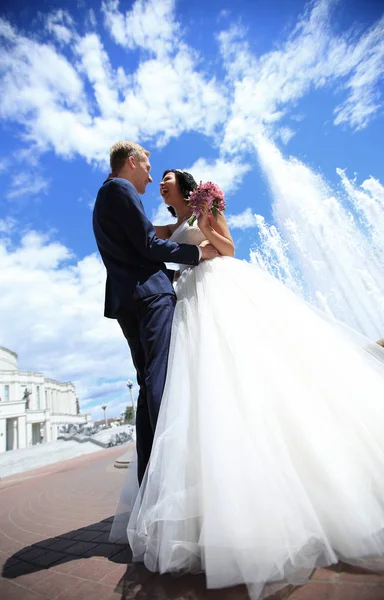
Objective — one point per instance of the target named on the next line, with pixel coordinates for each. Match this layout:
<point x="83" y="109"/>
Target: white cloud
<point x="95" y="65"/>
<point x="266" y="88"/>
<point x="27" y="184"/>
<point x="40" y="90"/>
<point x="244" y="220"/>
<point x="285" y="134"/>
<point x="236" y="53"/>
<point x="6" y="30"/>
<point x="297" y="117"/>
<point x="224" y="14"/>
<point x="7" y="225"/>
<point x="149" y="25"/>
<point x="4" y="163"/>
<point x="227" y="174"/>
<point x="45" y="92"/>
<point x="51" y="313"/>
<point x="197" y="104"/>
<point x="91" y="20"/>
<point x="363" y="100"/>
<point x="60" y="25"/>
<point x="161" y="215"/>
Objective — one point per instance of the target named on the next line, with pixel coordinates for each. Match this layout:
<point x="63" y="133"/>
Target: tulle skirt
<point x="268" y="458"/>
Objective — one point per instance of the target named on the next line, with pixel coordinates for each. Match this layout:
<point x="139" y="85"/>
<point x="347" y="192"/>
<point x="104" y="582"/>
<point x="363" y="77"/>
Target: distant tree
<point x="128" y="417"/>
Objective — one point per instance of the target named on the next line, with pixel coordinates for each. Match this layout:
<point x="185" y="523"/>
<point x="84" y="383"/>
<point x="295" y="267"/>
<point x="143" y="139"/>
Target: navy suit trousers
<point x="148" y="332"/>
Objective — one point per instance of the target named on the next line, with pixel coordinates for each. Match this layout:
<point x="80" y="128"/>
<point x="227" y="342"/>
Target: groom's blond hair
<point x="120" y="151"/>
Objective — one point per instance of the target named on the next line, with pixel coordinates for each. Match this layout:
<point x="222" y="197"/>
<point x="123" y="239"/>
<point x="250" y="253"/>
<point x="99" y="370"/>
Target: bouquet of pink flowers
<point x="211" y="194"/>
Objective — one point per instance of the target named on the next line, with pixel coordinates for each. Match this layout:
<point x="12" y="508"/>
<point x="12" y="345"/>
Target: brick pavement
<point x="54" y="525"/>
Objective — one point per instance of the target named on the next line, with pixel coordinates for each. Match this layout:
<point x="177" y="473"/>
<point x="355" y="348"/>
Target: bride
<point x="268" y="458"/>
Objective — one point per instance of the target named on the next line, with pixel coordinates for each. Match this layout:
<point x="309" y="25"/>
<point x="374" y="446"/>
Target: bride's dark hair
<point x="185" y="183"/>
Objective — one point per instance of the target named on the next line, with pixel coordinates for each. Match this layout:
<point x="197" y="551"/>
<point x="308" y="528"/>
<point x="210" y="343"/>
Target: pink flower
<point x="209" y="193"/>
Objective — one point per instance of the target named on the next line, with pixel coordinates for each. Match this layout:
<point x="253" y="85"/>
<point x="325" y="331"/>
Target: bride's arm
<point x="217" y="233"/>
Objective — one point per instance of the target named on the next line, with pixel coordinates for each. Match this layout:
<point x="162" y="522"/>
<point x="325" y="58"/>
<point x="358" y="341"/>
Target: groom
<point x="139" y="291"/>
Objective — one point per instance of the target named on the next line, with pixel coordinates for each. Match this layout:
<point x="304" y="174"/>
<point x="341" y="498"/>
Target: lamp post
<point x="130" y="386"/>
<point x="104" y="407"/>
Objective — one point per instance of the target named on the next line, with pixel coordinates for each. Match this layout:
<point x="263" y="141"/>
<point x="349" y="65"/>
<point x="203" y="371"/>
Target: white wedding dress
<point x="268" y="458"/>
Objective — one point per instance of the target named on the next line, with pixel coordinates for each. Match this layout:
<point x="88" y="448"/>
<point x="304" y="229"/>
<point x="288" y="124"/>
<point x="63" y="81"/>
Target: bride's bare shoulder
<point x="164" y="231"/>
<point x="172" y="228"/>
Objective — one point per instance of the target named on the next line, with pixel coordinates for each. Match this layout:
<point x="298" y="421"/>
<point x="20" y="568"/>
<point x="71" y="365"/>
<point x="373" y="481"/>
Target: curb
<point x="125" y="459"/>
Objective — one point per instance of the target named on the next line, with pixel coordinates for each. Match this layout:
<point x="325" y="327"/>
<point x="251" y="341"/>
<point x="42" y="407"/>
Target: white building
<point x="32" y="408"/>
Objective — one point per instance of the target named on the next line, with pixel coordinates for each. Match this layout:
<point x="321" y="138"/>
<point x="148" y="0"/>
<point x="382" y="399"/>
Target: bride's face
<point x="169" y="190"/>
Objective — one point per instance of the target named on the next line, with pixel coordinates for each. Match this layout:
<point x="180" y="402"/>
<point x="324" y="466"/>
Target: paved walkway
<point x="54" y="525"/>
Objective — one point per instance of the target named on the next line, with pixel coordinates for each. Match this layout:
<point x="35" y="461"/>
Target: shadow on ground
<point x="80" y="543"/>
<point x="140" y="584"/>
<point x="137" y="582"/>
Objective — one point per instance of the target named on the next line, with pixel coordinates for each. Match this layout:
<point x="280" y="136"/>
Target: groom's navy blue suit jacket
<point x="132" y="254"/>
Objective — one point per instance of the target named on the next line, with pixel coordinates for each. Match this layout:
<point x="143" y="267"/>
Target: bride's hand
<point x="205" y="216"/>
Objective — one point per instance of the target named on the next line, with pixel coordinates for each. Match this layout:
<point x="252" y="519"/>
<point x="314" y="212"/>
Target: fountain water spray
<point x="329" y="248"/>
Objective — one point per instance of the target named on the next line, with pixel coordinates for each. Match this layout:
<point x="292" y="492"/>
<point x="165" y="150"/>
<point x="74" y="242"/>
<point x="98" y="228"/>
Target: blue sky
<point x="259" y="96"/>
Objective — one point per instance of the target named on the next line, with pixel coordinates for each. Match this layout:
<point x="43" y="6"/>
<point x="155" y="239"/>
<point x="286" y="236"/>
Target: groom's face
<point x="141" y="175"/>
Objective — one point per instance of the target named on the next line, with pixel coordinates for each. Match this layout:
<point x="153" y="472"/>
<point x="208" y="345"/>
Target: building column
<point x="12" y="434"/>
<point x="47" y="431"/>
<point x="15" y="433"/>
<point x="3" y="435"/>
<point x="53" y="433"/>
<point x="21" y="423"/>
<point x="29" y="434"/>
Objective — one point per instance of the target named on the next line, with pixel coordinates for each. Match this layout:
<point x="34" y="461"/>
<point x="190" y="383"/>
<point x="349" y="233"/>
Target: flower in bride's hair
<point x="206" y="193"/>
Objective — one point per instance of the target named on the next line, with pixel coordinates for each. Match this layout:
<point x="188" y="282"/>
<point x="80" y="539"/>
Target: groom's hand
<point x="208" y="251"/>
